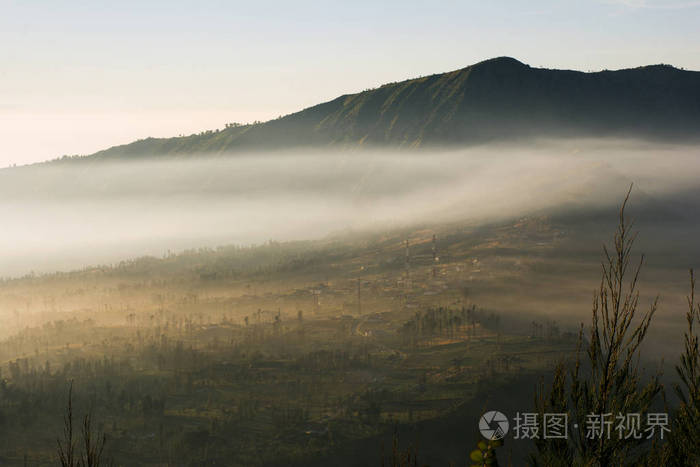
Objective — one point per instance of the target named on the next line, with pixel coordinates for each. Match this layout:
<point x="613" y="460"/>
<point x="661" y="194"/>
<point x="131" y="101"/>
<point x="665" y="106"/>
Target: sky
<point x="79" y="76"/>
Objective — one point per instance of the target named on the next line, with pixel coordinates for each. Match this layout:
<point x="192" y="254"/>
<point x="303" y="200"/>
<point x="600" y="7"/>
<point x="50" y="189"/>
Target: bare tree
<point x="66" y="449"/>
<point x="93" y="442"/>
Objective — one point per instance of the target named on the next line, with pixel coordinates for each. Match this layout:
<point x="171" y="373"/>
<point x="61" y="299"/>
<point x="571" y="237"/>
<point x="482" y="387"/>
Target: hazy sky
<point x="79" y="76"/>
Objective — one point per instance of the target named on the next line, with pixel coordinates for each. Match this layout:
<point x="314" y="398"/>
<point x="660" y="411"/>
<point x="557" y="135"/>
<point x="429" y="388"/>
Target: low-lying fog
<point x="67" y="215"/>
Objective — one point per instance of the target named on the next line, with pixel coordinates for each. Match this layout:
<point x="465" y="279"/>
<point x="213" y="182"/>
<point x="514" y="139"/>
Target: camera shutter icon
<point x="493" y="425"/>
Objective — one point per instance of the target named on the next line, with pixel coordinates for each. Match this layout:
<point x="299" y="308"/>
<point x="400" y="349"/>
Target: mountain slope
<point x="497" y="99"/>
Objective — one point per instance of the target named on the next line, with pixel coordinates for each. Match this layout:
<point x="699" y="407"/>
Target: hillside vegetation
<point x="498" y="99"/>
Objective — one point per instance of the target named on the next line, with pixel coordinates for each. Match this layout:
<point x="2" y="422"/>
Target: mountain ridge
<point x="493" y="100"/>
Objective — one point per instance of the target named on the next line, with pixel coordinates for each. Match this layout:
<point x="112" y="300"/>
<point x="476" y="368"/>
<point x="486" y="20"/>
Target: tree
<point x="93" y="443"/>
<point x="66" y="449"/>
<point x="606" y="380"/>
<point x="683" y="448"/>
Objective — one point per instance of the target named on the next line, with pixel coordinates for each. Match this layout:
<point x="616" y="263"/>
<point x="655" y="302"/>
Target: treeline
<point x="448" y="322"/>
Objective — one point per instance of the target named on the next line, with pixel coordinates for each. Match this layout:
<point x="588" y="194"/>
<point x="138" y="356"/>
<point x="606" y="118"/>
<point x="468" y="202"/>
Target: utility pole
<point x="406" y="276"/>
<point x="359" y="292"/>
<point x="435" y="257"/>
<point x="407" y="264"/>
<point x="317" y="299"/>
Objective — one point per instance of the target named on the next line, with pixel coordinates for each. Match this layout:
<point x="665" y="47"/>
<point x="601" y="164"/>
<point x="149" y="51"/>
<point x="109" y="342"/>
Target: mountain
<point x="494" y="100"/>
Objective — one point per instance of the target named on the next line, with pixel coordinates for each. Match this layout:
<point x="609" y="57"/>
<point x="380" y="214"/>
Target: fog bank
<point x="67" y="215"/>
